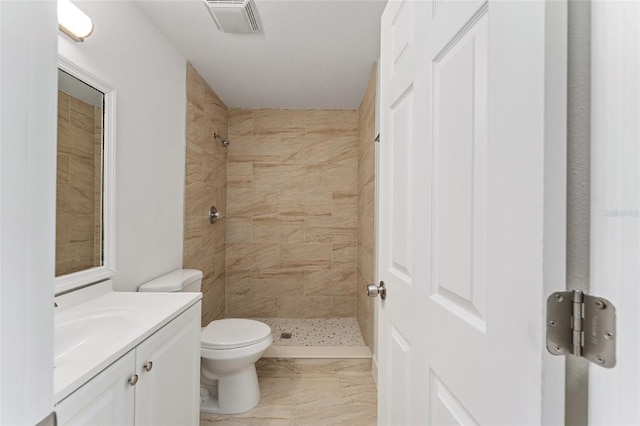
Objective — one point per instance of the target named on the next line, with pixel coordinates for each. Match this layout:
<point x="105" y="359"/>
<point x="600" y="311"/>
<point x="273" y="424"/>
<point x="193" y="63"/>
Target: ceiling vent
<point x="234" y="16"/>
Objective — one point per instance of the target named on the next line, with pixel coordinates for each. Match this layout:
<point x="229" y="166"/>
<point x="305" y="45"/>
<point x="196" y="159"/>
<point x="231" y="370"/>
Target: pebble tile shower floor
<point x="315" y="332"/>
<point x="311" y="395"/>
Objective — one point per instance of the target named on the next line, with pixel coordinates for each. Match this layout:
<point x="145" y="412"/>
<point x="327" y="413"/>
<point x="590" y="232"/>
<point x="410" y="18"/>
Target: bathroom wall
<point x="366" y="190"/>
<point x="128" y="52"/>
<point x="205" y="186"/>
<point x="78" y="184"/>
<point x="292" y="213"/>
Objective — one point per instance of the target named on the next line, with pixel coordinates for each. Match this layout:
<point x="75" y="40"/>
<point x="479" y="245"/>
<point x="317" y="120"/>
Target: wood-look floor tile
<point x="244" y="421"/>
<point x="337" y="413"/>
<point x="357" y="386"/>
<point x="309" y="398"/>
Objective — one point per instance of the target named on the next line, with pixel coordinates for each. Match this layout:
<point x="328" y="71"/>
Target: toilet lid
<point x="233" y="333"/>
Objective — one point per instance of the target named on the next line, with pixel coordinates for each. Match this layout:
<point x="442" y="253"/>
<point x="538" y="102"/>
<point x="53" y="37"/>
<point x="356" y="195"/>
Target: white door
<point x="400" y="349"/>
<point x="471" y="210"/>
<point x="615" y="203"/>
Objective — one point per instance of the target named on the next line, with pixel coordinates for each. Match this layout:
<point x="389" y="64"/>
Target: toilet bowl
<point x="229" y="349"/>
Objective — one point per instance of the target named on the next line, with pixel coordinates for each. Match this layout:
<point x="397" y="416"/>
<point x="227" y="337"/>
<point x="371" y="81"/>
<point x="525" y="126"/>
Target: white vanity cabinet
<point x="107" y="399"/>
<point x="155" y="383"/>
<point x="168" y="367"/>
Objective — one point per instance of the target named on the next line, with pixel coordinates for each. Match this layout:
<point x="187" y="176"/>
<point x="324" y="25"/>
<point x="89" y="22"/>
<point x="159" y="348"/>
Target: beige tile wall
<point x="292" y="207"/>
<point x="366" y="189"/>
<point x="78" y="183"/>
<point x="205" y="185"/>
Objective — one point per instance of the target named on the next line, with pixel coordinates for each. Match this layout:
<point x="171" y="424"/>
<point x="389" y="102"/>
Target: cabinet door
<point x="106" y="400"/>
<point x="169" y="392"/>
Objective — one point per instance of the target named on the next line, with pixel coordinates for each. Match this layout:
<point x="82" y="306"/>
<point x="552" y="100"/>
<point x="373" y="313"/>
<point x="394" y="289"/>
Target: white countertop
<point x="132" y="317"/>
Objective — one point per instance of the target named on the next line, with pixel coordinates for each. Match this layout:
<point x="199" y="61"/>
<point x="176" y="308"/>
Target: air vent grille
<point x="234" y="16"/>
<point x="252" y="17"/>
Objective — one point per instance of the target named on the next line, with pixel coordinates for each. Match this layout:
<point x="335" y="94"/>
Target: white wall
<point x="28" y="82"/>
<point x="128" y="52"/>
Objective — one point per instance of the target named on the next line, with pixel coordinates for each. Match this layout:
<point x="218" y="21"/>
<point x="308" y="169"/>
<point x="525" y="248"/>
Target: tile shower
<point x="292" y="207"/>
<point x="291" y="189"/>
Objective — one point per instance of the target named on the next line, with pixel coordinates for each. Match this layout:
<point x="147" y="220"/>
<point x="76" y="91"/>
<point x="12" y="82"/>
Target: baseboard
<point x="374" y="369"/>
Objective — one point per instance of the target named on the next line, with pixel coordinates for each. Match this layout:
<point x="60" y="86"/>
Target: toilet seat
<point x="233" y="333"/>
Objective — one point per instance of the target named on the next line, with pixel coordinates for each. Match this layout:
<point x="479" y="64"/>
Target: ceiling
<point x="310" y="54"/>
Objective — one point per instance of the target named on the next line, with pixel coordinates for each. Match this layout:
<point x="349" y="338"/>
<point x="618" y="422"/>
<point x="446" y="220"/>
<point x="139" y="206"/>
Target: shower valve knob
<point x="375" y="290"/>
<point x="214" y="214"/>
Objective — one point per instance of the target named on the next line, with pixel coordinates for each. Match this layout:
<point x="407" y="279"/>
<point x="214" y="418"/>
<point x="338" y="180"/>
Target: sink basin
<point x="81" y="334"/>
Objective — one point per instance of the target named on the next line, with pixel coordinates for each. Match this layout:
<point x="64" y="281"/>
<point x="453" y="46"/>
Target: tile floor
<point x="311" y="391"/>
<point x="308" y="398"/>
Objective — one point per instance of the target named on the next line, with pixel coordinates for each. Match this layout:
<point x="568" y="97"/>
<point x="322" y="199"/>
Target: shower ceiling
<point x="310" y="54"/>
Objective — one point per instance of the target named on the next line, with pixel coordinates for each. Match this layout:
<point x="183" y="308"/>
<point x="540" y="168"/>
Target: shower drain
<point x="285" y="335"/>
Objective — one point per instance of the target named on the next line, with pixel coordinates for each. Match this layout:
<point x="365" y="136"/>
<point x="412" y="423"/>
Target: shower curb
<point x="323" y="352"/>
<point x="293" y="360"/>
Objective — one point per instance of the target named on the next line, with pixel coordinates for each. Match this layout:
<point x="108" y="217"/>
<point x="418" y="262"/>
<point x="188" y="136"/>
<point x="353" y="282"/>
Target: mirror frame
<point x="75" y="280"/>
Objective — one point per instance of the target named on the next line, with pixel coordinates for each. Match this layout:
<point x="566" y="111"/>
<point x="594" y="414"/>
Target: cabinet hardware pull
<point x="133" y="380"/>
<point x="148" y="366"/>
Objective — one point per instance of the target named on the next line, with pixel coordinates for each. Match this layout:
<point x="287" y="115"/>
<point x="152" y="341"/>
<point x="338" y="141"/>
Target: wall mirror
<point x="84" y="181"/>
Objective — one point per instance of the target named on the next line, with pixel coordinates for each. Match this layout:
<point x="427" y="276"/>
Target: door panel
<point x="401" y="34"/>
<point x="460" y="144"/>
<point x="482" y="110"/>
<point x="400" y="361"/>
<point x="445" y="408"/>
<point x="401" y="124"/>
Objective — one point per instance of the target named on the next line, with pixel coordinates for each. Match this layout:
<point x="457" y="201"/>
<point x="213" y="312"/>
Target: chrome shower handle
<point x="214" y="214"/>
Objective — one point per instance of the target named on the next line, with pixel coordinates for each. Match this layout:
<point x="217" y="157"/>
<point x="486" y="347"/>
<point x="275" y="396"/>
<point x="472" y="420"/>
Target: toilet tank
<point x="183" y="280"/>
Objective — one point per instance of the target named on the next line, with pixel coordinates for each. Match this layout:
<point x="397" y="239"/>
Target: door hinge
<point x="582" y="325"/>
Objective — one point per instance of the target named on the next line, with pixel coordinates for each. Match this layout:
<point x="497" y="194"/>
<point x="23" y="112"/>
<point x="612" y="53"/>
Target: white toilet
<point x="229" y="349"/>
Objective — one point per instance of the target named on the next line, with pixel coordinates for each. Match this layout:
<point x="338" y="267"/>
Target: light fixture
<point x="73" y="22"/>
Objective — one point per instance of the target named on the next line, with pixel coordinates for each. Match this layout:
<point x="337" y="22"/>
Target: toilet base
<point x="236" y="393"/>
<point x="210" y="406"/>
